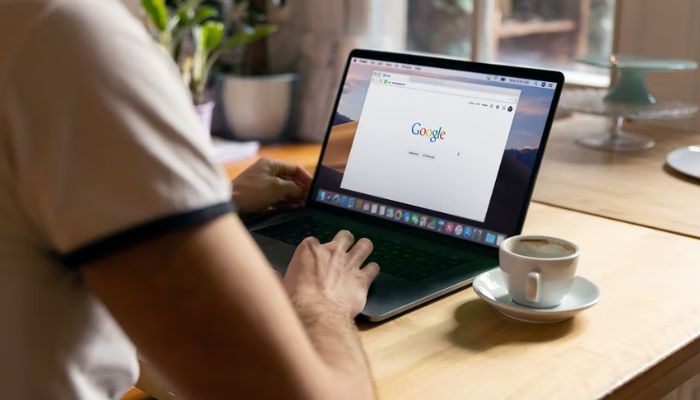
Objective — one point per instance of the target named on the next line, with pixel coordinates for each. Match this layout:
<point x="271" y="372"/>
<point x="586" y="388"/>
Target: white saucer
<point x="491" y="287"/>
<point x="685" y="160"/>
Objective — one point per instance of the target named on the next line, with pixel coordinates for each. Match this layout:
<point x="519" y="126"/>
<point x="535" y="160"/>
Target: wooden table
<point x="633" y="187"/>
<point x="641" y="341"/>
<point x="461" y="348"/>
<point x="305" y="155"/>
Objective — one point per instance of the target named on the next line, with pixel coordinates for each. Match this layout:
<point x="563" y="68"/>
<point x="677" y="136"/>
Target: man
<point x="115" y="224"/>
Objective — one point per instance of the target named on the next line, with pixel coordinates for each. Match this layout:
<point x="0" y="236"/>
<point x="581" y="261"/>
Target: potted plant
<point x="192" y="34"/>
<point x="256" y="103"/>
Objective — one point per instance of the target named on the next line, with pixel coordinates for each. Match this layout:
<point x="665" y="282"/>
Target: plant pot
<point x="258" y="107"/>
<point x="204" y="111"/>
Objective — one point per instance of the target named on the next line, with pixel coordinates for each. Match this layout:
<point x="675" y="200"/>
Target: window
<point x="540" y="33"/>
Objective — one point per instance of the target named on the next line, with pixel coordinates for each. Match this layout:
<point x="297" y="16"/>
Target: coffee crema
<point x="542" y="248"/>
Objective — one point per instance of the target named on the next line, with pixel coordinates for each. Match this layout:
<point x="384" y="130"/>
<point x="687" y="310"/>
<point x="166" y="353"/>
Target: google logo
<point x="433" y="134"/>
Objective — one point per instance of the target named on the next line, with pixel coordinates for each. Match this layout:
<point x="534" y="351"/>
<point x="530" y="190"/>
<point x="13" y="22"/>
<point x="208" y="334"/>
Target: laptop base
<point x="389" y="295"/>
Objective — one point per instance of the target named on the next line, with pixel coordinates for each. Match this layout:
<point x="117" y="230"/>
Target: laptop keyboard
<point x="394" y="258"/>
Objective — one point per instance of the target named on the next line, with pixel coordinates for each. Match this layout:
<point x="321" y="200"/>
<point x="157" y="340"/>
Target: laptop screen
<point x="445" y="150"/>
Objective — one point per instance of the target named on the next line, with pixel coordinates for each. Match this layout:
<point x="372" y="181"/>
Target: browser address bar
<point x="462" y="92"/>
<point x="462" y="89"/>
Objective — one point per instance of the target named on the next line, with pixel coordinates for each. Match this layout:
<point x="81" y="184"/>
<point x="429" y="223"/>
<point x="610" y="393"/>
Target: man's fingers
<point x="310" y="241"/>
<point x="302" y="176"/>
<point x="293" y="171"/>
<point x="287" y="189"/>
<point x="283" y="168"/>
<point x="361" y="250"/>
<point x="344" y="239"/>
<point x="370" y="272"/>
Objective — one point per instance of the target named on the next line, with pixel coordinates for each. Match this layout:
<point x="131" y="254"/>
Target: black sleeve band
<point x="132" y="236"/>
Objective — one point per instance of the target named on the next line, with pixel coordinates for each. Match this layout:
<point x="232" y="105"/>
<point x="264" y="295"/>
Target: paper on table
<point x="228" y="151"/>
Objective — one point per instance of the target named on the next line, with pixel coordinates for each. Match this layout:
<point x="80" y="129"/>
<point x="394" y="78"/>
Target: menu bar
<point x="470" y="75"/>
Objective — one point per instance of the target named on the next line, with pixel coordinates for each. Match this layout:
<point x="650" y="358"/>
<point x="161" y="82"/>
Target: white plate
<point x="685" y="160"/>
<point x="491" y="287"/>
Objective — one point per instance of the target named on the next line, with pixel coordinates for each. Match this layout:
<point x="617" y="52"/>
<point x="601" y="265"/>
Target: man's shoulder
<point x="80" y="19"/>
<point x="70" y="34"/>
<point x="26" y="12"/>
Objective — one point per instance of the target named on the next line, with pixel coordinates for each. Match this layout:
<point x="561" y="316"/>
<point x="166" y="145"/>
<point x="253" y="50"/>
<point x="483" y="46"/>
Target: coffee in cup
<point x="538" y="270"/>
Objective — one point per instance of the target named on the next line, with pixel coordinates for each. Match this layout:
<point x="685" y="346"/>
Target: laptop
<point x="432" y="159"/>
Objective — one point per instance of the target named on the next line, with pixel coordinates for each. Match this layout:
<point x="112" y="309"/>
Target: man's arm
<point x="204" y="306"/>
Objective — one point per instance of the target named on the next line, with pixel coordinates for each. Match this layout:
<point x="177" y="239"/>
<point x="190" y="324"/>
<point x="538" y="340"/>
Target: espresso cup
<point x="538" y="270"/>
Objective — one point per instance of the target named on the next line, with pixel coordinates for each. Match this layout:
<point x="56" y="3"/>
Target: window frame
<point x="483" y="17"/>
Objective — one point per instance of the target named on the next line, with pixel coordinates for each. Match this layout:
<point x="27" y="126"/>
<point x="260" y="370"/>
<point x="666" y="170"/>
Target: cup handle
<point x="532" y="287"/>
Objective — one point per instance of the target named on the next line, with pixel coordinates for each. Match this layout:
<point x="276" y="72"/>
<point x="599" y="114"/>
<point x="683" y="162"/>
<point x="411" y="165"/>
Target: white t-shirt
<point x="100" y="148"/>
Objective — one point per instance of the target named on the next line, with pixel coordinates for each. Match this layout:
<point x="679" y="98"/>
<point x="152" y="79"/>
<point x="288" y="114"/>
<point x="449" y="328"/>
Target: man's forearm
<point x="337" y="341"/>
<point x="196" y="297"/>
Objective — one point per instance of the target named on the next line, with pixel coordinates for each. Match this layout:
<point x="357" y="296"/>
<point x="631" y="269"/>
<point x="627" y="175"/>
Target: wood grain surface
<point x="461" y="348"/>
<point x="634" y="187"/>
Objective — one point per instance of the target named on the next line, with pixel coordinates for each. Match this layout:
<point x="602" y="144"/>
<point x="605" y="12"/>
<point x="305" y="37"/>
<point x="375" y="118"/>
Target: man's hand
<point x="328" y="287"/>
<point x="270" y="183"/>
<point x="331" y="274"/>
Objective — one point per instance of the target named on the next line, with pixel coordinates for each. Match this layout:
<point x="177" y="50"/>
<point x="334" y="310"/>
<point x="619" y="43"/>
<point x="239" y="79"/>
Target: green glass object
<point x="630" y="86"/>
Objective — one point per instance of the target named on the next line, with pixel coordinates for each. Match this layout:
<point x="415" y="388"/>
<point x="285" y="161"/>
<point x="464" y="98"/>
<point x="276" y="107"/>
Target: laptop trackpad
<point x="278" y="253"/>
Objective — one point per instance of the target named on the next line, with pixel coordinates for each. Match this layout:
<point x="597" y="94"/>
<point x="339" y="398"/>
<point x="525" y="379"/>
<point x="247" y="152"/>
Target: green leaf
<point x="187" y="11"/>
<point x="191" y="4"/>
<point x="207" y="37"/>
<point x="212" y="32"/>
<point x="185" y="17"/>
<point x="173" y="22"/>
<point x="199" y="58"/>
<point x="249" y="36"/>
<point x="157" y="12"/>
<point x="188" y="8"/>
<point x="204" y="13"/>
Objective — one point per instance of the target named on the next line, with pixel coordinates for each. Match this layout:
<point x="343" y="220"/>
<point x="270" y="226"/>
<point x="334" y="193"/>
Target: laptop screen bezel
<point x="451" y="64"/>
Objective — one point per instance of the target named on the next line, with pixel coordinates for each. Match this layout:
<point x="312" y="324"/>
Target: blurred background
<point x="313" y="38"/>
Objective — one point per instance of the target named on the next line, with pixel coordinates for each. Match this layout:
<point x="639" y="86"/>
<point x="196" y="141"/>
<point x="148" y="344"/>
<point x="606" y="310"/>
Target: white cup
<point x="538" y="270"/>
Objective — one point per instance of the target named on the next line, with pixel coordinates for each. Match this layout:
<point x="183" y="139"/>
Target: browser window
<point x="430" y="143"/>
<point x="446" y="150"/>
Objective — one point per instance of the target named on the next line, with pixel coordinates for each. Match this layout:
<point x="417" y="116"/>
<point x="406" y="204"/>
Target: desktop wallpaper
<point x="518" y="159"/>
